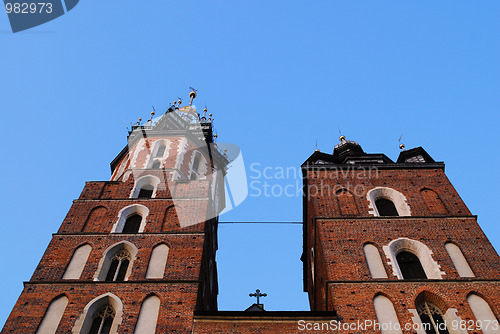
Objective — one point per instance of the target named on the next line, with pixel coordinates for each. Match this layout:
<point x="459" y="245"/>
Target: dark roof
<point x="415" y="155"/>
<point x="347" y="148"/>
<point x="256" y="308"/>
<point x="350" y="154"/>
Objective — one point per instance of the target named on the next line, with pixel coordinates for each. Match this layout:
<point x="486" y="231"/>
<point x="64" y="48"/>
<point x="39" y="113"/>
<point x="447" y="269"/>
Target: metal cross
<point x="258" y="294"/>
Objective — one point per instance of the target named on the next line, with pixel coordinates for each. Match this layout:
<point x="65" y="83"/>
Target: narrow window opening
<point x="120" y="277"/>
<point x="146" y="191"/>
<point x="103" y="320"/>
<point x="432" y="319"/>
<point x="386" y="207"/>
<point x="161" y="151"/>
<point x="195" y="168"/>
<point x="119" y="266"/>
<point x="410" y="266"/>
<point x="112" y="270"/>
<point x="132" y="224"/>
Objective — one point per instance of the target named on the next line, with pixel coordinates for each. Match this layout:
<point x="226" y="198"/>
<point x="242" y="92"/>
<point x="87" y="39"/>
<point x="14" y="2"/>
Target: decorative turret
<point x="346" y="148"/>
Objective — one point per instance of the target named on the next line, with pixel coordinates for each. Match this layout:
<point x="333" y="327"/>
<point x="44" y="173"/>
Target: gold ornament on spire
<point x="192" y="95"/>
<point x="342" y="138"/>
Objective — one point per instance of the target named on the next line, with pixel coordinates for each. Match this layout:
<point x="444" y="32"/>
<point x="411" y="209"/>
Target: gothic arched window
<point x="432" y="319"/>
<point x="410" y="266"/>
<point x="132" y="224"/>
<point x="146" y="191"/>
<point x="131" y="219"/>
<point x="386" y="207"/>
<point x="118" y="267"/>
<point x="116" y="263"/>
<point x="145" y="187"/>
<point x="404" y="245"/>
<point x="102" y="320"/>
<point x="384" y="201"/>
<point x="102" y="315"/>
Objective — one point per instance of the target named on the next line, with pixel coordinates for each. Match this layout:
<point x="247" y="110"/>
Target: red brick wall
<point x="324" y="184"/>
<point x="178" y="302"/>
<point x="339" y="226"/>
<point x="354" y="301"/>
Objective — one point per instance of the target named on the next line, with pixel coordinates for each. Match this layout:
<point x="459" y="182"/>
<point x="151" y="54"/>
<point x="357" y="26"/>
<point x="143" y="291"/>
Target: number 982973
<point x="28" y="8"/>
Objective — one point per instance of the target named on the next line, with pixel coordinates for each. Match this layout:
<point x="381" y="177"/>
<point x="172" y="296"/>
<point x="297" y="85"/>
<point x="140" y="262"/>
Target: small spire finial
<point x="215" y="137"/>
<point x="192" y="95"/>
<point x="401" y="145"/>
<point x="205" y="111"/>
<point x="152" y="113"/>
<point x="342" y="138"/>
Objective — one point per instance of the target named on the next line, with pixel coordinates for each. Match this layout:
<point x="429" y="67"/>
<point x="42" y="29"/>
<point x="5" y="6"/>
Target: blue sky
<point x="278" y="77"/>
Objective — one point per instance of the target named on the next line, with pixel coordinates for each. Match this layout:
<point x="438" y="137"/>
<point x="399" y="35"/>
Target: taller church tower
<point x="393" y="241"/>
<point x="144" y="239"/>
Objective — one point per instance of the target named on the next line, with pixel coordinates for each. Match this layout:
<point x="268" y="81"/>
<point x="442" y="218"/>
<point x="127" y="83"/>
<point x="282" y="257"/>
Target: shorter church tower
<point x="136" y="254"/>
<point x="394" y="242"/>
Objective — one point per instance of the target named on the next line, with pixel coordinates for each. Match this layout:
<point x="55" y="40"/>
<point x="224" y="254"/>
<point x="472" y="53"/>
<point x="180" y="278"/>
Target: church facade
<point x="389" y="247"/>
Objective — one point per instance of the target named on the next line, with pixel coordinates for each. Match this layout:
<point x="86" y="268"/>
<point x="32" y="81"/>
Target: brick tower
<point x="135" y="254"/>
<point x="395" y="244"/>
